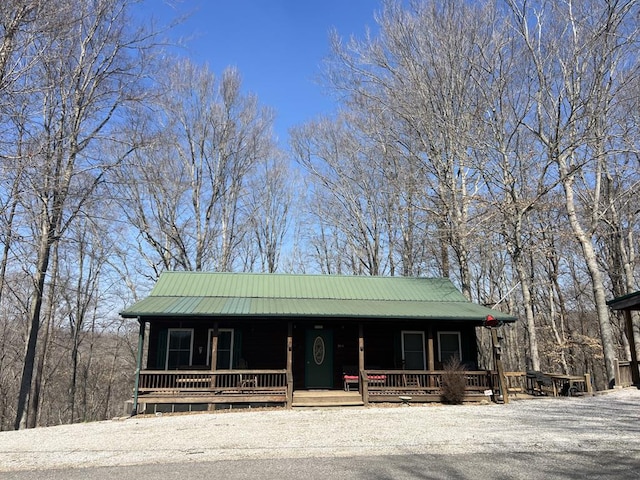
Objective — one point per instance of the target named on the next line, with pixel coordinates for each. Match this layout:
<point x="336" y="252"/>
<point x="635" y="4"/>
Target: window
<point x="413" y="356"/>
<point x="225" y="349"/>
<point x="179" y="347"/>
<point x="449" y="346"/>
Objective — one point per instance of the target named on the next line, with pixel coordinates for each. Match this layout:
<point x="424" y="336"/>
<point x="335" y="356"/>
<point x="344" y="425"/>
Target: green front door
<point x="318" y="371"/>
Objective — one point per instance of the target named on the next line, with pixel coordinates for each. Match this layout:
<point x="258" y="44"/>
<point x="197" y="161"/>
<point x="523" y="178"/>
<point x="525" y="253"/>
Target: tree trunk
<point x="530" y="320"/>
<point x="596" y="277"/>
<point x="44" y="252"/>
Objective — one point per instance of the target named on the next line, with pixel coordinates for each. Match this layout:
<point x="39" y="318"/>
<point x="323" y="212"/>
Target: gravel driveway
<point x="605" y="422"/>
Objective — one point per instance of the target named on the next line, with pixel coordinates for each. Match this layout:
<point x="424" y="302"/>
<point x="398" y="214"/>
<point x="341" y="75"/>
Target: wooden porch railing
<point x="390" y="385"/>
<point x="220" y="382"/>
<point x="624" y="377"/>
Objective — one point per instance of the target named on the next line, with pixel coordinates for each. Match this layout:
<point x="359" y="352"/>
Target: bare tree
<point x="184" y="193"/>
<point x="582" y="54"/>
<point x="270" y="195"/>
<point x="347" y="178"/>
<point x="87" y="76"/>
<point x="423" y="70"/>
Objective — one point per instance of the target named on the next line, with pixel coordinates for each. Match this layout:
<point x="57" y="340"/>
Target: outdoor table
<point x="571" y="384"/>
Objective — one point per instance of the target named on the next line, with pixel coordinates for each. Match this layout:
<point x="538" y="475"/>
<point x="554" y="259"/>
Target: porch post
<point x="635" y="375"/>
<point x="431" y="359"/>
<point x="360" y="348"/>
<point x="364" y="382"/>
<point x="214" y="347"/>
<point x="138" y="366"/>
<point x="497" y="358"/>
<point x="289" y="364"/>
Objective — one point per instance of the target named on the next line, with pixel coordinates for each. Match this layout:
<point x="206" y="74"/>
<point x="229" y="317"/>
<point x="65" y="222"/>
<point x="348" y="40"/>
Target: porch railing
<point x="220" y="382"/>
<point x="381" y="385"/>
<point x="623" y="373"/>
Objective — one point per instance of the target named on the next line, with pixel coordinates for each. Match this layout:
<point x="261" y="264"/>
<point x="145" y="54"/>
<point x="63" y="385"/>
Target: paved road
<point x="588" y="437"/>
<point x="531" y="466"/>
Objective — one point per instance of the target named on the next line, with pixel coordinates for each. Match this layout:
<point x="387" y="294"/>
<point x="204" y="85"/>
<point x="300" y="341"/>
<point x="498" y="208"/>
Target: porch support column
<point x="431" y="358"/>
<point x="635" y="375"/>
<point x="431" y="362"/>
<point x="214" y="347"/>
<point x="364" y="382"/>
<point x="360" y="348"/>
<point x="289" y="364"/>
<point x="138" y="366"/>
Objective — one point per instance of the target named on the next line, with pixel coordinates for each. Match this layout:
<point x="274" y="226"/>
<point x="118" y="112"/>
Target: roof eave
<point x="626" y="302"/>
<point x="164" y="315"/>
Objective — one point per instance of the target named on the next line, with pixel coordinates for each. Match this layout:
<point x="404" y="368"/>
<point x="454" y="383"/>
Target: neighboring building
<point x="238" y="338"/>
<point x="627" y="304"/>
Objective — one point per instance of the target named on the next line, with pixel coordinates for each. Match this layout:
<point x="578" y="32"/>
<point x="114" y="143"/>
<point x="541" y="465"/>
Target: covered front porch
<point x="363" y="362"/>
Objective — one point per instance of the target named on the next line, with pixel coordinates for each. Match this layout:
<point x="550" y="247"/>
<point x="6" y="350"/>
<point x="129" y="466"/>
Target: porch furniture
<point x="350" y="377"/>
<point x="350" y="380"/>
<point x="194" y="382"/>
<point x="247" y="381"/>
<point x="569" y="385"/>
<point x="411" y="380"/>
<point x="539" y="383"/>
<point x="377" y="379"/>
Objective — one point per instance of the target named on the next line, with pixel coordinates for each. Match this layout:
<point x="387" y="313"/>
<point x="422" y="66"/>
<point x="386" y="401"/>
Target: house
<point x="246" y="339"/>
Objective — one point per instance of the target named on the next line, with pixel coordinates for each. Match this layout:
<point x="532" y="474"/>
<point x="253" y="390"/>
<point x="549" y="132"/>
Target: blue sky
<point x="277" y="45"/>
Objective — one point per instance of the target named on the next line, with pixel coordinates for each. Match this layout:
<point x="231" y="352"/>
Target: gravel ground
<point x="605" y="422"/>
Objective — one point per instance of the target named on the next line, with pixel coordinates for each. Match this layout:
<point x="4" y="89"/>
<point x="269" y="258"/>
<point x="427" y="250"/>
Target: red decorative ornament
<point x="491" y="321"/>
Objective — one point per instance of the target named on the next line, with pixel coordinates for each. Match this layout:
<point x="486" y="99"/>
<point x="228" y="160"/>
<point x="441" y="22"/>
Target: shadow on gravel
<point x="572" y="465"/>
<point x="580" y="416"/>
<point x="530" y="466"/>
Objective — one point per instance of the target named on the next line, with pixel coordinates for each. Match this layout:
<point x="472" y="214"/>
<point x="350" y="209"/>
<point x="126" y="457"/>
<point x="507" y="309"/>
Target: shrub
<point x="453" y="382"/>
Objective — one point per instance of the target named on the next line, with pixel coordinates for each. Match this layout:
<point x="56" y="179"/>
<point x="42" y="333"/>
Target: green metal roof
<point x="180" y="294"/>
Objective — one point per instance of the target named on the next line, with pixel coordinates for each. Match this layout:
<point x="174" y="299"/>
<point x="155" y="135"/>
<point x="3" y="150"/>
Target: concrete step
<point x="326" y="398"/>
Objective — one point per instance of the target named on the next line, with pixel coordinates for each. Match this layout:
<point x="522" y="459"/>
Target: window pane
<point x="449" y="341"/>
<point x="178" y="359"/>
<point x="224" y="360"/>
<point x="449" y="346"/>
<point x="413" y="342"/>
<point x="414" y="361"/>
<point x="413" y="350"/>
<point x="224" y="340"/>
<point x="179" y="339"/>
<point x="179" y="351"/>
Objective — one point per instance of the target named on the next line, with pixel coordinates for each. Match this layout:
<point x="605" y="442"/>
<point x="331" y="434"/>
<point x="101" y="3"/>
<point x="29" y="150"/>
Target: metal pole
<point x="138" y="367"/>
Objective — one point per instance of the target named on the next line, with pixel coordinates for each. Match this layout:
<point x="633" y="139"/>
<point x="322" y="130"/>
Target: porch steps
<point x="326" y="398"/>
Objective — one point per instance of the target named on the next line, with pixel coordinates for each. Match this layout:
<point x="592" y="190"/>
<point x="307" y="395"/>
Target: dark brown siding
<point x="262" y="343"/>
